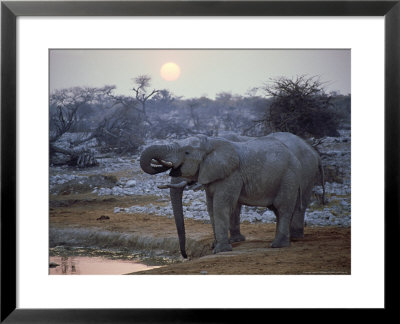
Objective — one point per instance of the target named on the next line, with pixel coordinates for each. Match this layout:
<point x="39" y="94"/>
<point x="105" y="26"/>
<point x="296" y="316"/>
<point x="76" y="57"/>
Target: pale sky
<point x="203" y="72"/>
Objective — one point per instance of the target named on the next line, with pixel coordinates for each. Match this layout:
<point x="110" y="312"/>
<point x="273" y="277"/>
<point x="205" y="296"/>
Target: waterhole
<point x="91" y="261"/>
<point x="81" y="265"/>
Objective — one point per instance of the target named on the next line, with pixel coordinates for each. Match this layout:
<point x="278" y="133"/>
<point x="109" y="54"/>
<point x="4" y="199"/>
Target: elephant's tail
<point x="321" y="171"/>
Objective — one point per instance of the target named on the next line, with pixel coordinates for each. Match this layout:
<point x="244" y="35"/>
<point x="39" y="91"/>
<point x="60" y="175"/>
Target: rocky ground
<point x="117" y="208"/>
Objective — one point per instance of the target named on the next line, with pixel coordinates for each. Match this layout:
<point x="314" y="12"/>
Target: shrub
<point x="300" y="106"/>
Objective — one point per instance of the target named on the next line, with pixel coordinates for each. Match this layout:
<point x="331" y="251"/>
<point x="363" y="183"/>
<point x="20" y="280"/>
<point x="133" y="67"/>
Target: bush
<point x="300" y="106"/>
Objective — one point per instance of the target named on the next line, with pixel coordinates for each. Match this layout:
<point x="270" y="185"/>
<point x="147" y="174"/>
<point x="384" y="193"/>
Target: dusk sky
<point x="197" y="73"/>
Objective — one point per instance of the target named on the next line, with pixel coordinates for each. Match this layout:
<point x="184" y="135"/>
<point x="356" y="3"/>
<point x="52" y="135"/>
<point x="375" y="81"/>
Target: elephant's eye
<point x="187" y="153"/>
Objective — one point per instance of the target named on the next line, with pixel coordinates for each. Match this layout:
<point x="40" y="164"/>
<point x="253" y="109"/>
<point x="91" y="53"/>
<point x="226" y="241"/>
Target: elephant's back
<point x="264" y="156"/>
<point x="262" y="148"/>
<point x="304" y="152"/>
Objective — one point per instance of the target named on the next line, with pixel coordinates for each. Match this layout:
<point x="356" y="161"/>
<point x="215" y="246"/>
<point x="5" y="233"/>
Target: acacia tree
<point x="164" y="97"/>
<point x="139" y="101"/>
<point x="142" y="93"/>
<point x="300" y="106"/>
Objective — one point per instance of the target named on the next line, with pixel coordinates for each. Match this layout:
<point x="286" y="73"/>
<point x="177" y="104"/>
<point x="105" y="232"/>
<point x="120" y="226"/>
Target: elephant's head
<point x="200" y="158"/>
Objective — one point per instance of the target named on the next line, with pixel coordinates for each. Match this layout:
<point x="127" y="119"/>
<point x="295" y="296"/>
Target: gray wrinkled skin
<point x="276" y="171"/>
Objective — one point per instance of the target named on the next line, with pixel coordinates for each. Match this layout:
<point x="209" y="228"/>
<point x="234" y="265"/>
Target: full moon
<point x="170" y="71"/>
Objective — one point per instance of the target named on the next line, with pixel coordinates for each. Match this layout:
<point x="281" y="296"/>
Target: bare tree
<point x="67" y="102"/>
<point x="64" y="115"/>
<point x="121" y="130"/>
<point x="142" y="93"/>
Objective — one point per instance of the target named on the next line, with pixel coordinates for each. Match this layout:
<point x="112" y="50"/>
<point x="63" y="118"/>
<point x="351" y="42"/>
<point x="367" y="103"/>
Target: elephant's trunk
<point x="152" y="161"/>
<point x="176" y="201"/>
<point x="152" y="154"/>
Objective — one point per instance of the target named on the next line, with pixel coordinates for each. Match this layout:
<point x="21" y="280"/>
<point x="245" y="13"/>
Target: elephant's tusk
<point x="195" y="187"/>
<point x="166" y="163"/>
<point x="173" y="185"/>
<point x="155" y="164"/>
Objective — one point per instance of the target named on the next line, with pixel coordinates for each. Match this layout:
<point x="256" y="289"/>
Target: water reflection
<point x="82" y="265"/>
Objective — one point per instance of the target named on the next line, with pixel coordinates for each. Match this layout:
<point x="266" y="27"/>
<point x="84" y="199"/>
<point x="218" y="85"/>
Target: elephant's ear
<point x="220" y="161"/>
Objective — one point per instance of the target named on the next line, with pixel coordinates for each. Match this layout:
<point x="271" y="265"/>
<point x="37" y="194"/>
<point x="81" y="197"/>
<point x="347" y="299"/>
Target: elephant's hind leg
<point x="282" y="234"/>
<point x="284" y="205"/>
<point x="297" y="224"/>
<point x="281" y="239"/>
<point x="234" y="227"/>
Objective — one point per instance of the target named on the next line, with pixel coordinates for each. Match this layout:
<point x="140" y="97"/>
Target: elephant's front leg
<point x="221" y="225"/>
<point x="225" y="197"/>
<point x="234" y="227"/>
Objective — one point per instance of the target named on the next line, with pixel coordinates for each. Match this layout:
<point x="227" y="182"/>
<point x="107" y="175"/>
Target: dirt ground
<point x="323" y="250"/>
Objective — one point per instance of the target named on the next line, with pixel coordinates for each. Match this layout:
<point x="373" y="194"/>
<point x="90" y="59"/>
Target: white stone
<point x="130" y="183"/>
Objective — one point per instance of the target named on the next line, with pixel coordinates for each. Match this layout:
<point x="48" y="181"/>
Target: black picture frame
<point x="10" y="10"/>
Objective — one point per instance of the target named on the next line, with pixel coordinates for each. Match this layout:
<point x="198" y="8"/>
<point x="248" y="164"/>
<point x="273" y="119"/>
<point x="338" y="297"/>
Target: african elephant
<point x="276" y="171"/>
<point x="178" y="185"/>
